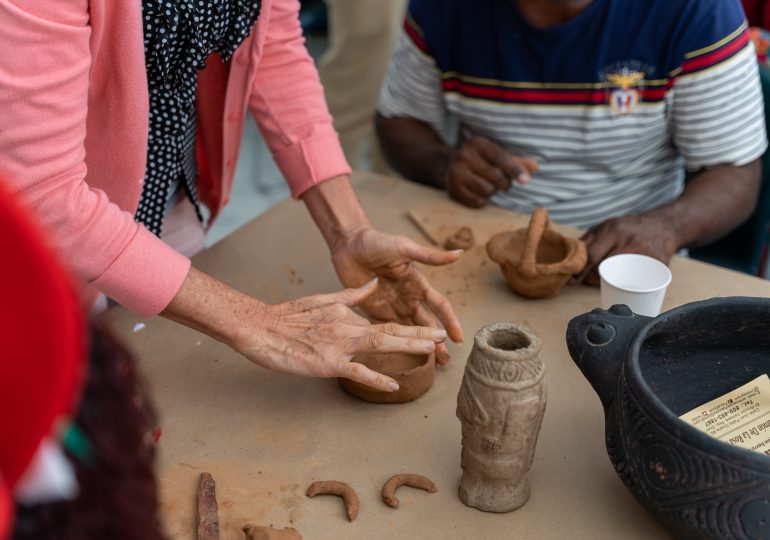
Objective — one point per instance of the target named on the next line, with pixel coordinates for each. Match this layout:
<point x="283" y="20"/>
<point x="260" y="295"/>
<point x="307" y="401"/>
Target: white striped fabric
<point x="595" y="164"/>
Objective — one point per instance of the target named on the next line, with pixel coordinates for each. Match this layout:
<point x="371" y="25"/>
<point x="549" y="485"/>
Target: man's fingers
<point x="362" y="374"/>
<point x="468" y="198"/>
<point x="601" y="243"/>
<point x="518" y="169"/>
<point x="488" y="171"/>
<point x="514" y="168"/>
<point x="410" y="249"/>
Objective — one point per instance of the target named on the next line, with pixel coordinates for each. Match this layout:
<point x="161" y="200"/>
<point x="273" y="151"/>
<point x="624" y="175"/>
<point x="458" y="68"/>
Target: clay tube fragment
<point x="256" y="532"/>
<point x="341" y="489"/>
<point x="208" y="518"/>
<point x="411" y="480"/>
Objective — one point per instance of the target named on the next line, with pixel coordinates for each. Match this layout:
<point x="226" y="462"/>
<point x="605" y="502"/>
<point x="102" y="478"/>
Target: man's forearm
<point x="414" y="150"/>
<point x="714" y="202"/>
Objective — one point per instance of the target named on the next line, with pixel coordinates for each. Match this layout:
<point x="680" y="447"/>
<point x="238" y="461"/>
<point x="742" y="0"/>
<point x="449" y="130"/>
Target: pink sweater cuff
<point x="156" y="274"/>
<point x="309" y="162"/>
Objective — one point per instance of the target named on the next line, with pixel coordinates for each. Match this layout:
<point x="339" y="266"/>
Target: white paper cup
<point x="637" y="281"/>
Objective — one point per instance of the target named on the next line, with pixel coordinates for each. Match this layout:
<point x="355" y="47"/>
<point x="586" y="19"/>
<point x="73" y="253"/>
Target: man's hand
<point x="480" y="168"/>
<point x="403" y="294"/>
<point x="644" y="234"/>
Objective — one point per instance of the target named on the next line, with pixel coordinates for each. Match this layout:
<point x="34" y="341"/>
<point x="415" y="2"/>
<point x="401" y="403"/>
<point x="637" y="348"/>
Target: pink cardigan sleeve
<point x="288" y="103"/>
<point x="44" y="85"/>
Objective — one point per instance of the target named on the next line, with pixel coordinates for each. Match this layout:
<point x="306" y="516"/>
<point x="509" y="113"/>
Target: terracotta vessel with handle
<point x="537" y="261"/>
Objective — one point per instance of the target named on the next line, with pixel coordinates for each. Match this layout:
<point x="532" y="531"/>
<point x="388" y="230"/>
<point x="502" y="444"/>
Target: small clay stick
<point x="256" y="532"/>
<point x="411" y="480"/>
<point x="341" y="489"/>
<point x="418" y="222"/>
<point x="208" y="518"/>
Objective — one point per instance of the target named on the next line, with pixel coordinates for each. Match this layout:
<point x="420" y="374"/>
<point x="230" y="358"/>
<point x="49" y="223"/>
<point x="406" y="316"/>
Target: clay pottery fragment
<point x="537" y="261"/>
<point x="257" y="532"/>
<point x="500" y="406"/>
<point x="647" y="372"/>
<point x="413" y="373"/>
<point x="463" y="238"/>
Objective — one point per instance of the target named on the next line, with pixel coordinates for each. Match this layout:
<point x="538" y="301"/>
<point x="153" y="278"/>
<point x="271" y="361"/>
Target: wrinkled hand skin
<point x="319" y="335"/>
<point x="480" y="168"/>
<point x="644" y="235"/>
<point x="403" y="294"/>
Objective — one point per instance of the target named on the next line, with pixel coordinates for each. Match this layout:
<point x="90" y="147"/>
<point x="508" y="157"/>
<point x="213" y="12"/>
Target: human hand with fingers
<point x="480" y="168"/>
<point x="315" y="336"/>
<point x="403" y="294"/>
<point x="318" y="336"/>
<point x="644" y="234"/>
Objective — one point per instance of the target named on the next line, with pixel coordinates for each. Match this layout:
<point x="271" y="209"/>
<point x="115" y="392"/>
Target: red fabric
<point x="5" y="512"/>
<point x="757" y="12"/>
<point x="42" y="337"/>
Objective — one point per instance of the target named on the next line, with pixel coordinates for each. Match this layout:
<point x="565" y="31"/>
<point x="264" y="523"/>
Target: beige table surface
<point x="266" y="436"/>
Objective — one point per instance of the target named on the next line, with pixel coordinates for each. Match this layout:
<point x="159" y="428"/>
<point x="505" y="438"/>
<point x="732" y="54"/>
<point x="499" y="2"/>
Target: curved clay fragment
<point x="341" y="489"/>
<point x="411" y="480"/>
<point x="256" y="532"/>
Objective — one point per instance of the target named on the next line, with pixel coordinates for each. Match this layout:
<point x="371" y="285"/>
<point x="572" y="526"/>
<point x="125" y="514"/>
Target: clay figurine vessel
<point x="537" y="261"/>
<point x="500" y="406"/>
<point x="413" y="373"/>
<point x="647" y="373"/>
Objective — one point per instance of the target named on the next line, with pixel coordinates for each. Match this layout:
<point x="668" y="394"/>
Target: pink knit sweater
<point x="74" y="120"/>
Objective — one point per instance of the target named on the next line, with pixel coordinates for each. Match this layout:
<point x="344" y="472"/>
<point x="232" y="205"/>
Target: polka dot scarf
<point x="179" y="35"/>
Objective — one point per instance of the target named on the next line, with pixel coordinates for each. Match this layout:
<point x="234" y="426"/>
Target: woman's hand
<point x="316" y="336"/>
<point x="404" y="294"/>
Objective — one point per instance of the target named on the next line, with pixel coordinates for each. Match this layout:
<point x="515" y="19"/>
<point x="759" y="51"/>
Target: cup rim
<point x="640" y="290"/>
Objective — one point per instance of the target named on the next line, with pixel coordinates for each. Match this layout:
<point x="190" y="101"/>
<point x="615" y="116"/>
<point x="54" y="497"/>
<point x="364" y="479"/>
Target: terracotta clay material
<point x="500" y="406"/>
<point x="413" y="373"/>
<point x="411" y="480"/>
<point x="256" y="532"/>
<point x="537" y="261"/>
<point x="208" y="518"/>
<point x="463" y="238"/>
<point x="340" y="489"/>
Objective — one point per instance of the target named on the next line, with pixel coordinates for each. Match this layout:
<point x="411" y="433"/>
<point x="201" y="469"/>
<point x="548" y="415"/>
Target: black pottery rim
<point x="662" y="414"/>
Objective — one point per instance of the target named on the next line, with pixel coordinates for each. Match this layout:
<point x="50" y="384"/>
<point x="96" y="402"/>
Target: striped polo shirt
<point x="615" y="104"/>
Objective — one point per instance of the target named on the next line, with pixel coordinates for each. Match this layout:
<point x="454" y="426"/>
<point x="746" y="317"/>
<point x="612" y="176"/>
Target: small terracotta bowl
<point x="413" y="373"/>
<point x="537" y="261"/>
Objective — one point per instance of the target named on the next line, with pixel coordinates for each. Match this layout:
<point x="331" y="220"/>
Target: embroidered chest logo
<point x="624" y="83"/>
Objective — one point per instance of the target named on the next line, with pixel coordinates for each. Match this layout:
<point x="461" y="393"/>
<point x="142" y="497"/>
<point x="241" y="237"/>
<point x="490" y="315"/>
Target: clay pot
<point x="413" y="373"/>
<point x="500" y="406"/>
<point x="537" y="261"/>
<point x="647" y="373"/>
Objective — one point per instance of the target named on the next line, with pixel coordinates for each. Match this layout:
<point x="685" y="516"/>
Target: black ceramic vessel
<point x="647" y="372"/>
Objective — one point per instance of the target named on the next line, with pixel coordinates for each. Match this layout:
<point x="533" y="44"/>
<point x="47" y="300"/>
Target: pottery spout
<point x="597" y="342"/>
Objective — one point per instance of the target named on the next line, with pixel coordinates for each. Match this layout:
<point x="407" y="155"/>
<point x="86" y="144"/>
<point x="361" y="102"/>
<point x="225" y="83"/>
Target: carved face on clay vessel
<point x="500" y="406"/>
<point x="413" y="373"/>
<point x="537" y="261"/>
